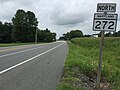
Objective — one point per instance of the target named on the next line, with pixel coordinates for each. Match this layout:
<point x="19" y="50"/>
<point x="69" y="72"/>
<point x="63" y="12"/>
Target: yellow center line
<point x="7" y="49"/>
<point x="16" y="48"/>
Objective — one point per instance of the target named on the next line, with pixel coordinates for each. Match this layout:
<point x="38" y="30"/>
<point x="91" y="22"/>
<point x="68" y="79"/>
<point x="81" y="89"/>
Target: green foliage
<point x="88" y="57"/>
<point x="65" y="86"/>
<point x="72" y="34"/>
<point x="68" y="83"/>
<point x="46" y="36"/>
<point x="109" y="34"/>
<point x="75" y="34"/>
<point x="24" y="26"/>
<point x="5" y="32"/>
<point x="24" y="29"/>
<point x="83" y="58"/>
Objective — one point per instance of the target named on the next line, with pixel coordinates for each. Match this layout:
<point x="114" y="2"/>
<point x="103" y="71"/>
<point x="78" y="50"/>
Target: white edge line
<point x="3" y="71"/>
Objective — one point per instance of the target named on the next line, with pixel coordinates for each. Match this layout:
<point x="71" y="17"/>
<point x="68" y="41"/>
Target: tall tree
<point x="24" y="26"/>
<point x="32" y="24"/>
<point x="19" y="26"/>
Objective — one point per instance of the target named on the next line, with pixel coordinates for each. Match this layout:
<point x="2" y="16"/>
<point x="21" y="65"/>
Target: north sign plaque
<point x="106" y="7"/>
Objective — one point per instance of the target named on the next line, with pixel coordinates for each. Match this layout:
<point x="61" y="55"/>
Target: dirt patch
<point x="86" y="81"/>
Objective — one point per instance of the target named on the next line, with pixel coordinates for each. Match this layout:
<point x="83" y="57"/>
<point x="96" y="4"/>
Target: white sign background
<point x="104" y="22"/>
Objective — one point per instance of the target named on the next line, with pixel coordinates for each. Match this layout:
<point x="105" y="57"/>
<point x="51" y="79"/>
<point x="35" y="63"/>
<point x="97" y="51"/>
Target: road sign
<point x="105" y="22"/>
<point x="106" y="7"/>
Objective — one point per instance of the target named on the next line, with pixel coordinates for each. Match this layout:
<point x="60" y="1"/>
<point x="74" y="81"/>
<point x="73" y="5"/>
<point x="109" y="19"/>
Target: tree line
<point x="79" y="33"/>
<point x="109" y="34"/>
<point x="24" y="28"/>
<point x="71" y="34"/>
<point x="5" y="32"/>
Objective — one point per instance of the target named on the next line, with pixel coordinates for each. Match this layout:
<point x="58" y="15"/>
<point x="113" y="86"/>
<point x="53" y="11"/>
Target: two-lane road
<point x="32" y="67"/>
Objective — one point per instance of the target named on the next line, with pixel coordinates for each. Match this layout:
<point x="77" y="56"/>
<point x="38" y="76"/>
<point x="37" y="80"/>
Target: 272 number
<point x="104" y="24"/>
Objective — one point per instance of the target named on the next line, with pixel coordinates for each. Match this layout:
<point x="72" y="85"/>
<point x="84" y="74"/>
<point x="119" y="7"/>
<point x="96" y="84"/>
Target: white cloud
<point x="70" y="12"/>
<point x="59" y="16"/>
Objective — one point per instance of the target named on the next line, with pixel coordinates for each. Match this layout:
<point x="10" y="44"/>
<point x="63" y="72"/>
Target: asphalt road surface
<point x="32" y="67"/>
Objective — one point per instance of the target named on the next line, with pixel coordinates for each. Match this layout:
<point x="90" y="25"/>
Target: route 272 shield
<point x="105" y="22"/>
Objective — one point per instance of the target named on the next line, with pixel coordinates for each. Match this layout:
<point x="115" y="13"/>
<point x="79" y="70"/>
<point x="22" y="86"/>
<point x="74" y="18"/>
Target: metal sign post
<point x="104" y="22"/>
<point x="100" y="60"/>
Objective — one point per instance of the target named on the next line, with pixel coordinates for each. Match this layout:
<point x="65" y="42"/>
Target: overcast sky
<point x="60" y="16"/>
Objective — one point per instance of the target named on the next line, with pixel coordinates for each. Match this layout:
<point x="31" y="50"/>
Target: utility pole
<point x="36" y="37"/>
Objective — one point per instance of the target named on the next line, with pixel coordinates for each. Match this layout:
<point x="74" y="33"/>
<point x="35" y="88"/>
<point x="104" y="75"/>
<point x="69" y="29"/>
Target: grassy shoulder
<point x="80" y="68"/>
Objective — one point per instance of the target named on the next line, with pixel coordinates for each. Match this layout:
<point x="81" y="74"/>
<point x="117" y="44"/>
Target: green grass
<point x="83" y="58"/>
<point x="65" y="86"/>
